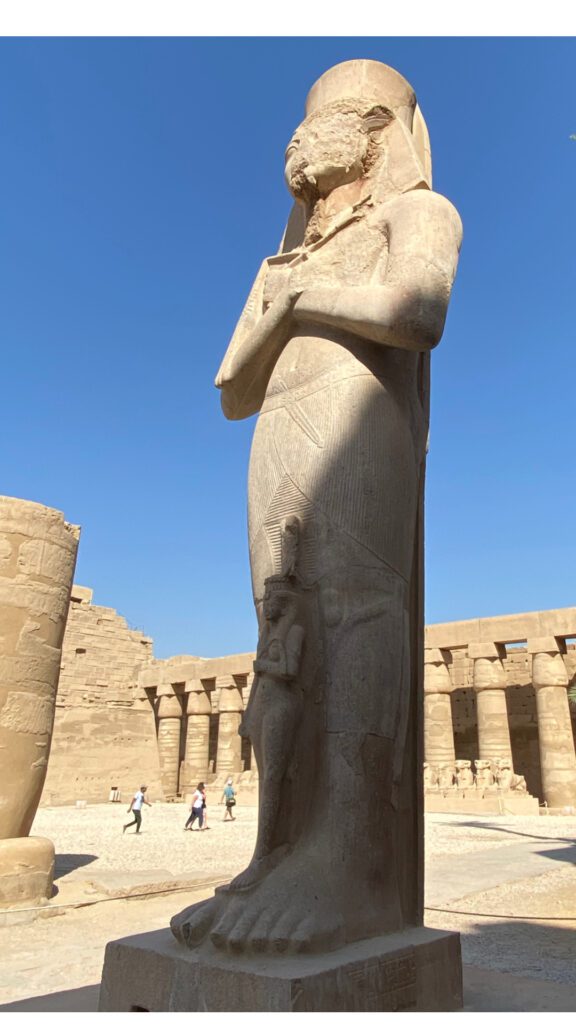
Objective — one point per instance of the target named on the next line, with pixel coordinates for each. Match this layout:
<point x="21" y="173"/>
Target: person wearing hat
<point x="229" y="795"/>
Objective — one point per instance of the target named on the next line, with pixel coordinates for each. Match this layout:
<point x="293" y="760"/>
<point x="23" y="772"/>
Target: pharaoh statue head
<point x="362" y="123"/>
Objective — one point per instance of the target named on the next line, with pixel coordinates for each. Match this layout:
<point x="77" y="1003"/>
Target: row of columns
<point x="198" y="709"/>
<point x="550" y="681"/>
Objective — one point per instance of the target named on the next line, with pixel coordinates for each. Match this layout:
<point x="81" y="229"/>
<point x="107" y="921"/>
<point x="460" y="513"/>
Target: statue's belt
<point x="284" y="395"/>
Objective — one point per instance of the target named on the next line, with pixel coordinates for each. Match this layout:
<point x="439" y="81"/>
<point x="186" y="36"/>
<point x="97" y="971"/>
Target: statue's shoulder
<point x="422" y="204"/>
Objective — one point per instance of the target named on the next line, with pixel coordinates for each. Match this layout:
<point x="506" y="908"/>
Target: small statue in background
<point x="506" y="779"/>
<point x="464" y="775"/>
<point x="446" y="776"/>
<point x="484" y="775"/>
<point x="430" y="776"/>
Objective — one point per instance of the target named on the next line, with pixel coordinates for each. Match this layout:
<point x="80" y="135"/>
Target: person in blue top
<point x="229" y="795"/>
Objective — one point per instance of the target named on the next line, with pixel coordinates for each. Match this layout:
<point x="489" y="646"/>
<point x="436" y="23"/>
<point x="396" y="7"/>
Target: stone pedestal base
<point x="26" y="871"/>
<point x="419" y="969"/>
<point x="470" y="801"/>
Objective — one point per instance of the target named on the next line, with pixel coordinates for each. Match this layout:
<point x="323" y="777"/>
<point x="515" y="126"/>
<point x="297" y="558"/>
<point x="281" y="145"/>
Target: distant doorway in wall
<point x="246" y="754"/>
<point x="465" y="723"/>
<point x="213" y="740"/>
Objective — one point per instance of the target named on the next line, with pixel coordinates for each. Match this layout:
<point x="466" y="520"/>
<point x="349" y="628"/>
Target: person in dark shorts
<point x="138" y="799"/>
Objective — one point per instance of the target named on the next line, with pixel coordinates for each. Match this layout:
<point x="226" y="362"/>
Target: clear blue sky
<point x="141" y="185"/>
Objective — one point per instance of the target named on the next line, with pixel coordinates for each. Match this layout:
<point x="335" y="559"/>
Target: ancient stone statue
<point x="484" y="775"/>
<point x="446" y="776"/>
<point x="506" y="778"/>
<point x="464" y="775"/>
<point x="430" y="776"/>
<point x="332" y="351"/>
<point x="37" y="560"/>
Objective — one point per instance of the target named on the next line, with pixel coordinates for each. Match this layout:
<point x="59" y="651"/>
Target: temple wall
<point x="511" y="641"/>
<point x="102" y="736"/>
<point x="124" y="717"/>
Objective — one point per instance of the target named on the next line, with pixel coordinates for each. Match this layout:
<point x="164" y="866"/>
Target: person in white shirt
<point x="197" y="809"/>
<point x="136" y="807"/>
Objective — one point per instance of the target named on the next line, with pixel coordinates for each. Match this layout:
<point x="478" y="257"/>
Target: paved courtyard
<point x="508" y="884"/>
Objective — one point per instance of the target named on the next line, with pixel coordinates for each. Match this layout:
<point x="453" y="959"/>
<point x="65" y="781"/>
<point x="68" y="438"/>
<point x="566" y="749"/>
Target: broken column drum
<point x="332" y="351"/>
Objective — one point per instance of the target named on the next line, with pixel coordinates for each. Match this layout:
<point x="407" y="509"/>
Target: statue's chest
<point x="350" y="257"/>
<point x="355" y="255"/>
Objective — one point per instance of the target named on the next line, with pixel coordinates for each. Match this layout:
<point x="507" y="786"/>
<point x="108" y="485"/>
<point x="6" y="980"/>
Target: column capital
<point x="165" y="689"/>
<point x="548" y="668"/>
<point x="489" y="672"/>
<point x="486" y="650"/>
<point x="230" y="694"/>
<point x="436" y="656"/>
<point x="546" y="645"/>
<point x="436" y="675"/>
<point x="169" y="706"/>
<point x="198" y="703"/>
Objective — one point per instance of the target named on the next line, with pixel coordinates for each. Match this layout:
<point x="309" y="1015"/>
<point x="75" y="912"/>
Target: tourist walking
<point x="136" y="808"/>
<point x="197" y="808"/>
<point x="229" y="795"/>
<point x="205" y="824"/>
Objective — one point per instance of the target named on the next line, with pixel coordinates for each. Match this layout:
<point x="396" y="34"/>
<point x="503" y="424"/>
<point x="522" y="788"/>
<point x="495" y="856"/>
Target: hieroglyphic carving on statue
<point x="464" y="774"/>
<point x="332" y="351"/>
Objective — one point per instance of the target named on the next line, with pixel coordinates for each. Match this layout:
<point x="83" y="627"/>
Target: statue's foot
<point x="304" y="904"/>
<point x="291" y="910"/>
<point x="191" y="925"/>
<point x="258" y="868"/>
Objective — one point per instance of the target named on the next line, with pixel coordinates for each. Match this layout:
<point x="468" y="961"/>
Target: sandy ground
<point x="95" y="860"/>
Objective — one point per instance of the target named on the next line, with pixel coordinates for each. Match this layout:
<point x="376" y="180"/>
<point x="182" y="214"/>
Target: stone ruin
<point x="37" y="559"/>
<point x="473" y="658"/>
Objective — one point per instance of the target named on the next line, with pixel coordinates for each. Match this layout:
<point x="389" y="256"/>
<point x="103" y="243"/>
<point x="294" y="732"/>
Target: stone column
<point x="229" y="755"/>
<point x="557" y="756"/>
<point x="37" y="559"/>
<point x="489" y="678"/>
<point x="169" y="714"/>
<point x="198" y="711"/>
<point x="438" y="727"/>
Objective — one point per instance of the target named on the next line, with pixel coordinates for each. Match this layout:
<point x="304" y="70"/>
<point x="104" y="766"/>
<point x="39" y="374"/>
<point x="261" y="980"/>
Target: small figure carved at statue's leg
<point x="271" y="722"/>
<point x="290" y="898"/>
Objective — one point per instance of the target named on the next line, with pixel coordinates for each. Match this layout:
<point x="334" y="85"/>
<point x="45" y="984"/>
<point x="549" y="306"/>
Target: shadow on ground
<point x="66" y="863"/>
<point x="83" y="999"/>
<point x="472" y="823"/>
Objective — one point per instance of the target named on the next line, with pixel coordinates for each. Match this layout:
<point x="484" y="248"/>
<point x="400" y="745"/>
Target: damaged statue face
<point x="331" y="148"/>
